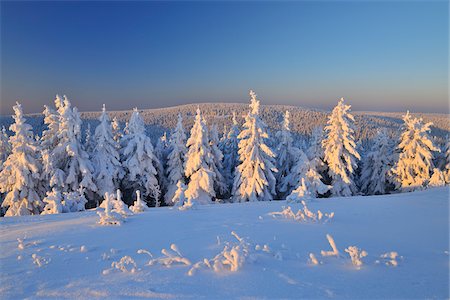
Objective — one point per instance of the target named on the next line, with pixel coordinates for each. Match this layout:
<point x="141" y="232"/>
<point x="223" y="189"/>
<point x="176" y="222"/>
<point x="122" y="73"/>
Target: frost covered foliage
<point x="304" y="215"/>
<point x="413" y="168"/>
<point x="289" y="159"/>
<point x="199" y="165"/>
<point x="340" y="152"/>
<point x="254" y="179"/>
<point x="138" y="159"/>
<point x="105" y="158"/>
<point x="230" y="152"/>
<point x="108" y="216"/>
<point x="300" y="193"/>
<point x="49" y="139"/>
<point x="175" y="160"/>
<point x="220" y="185"/>
<point x="57" y="202"/>
<point x="376" y="165"/>
<point x="20" y="174"/>
<point x="116" y="204"/>
<point x="68" y="164"/>
<point x="139" y="205"/>
<point x="88" y="143"/>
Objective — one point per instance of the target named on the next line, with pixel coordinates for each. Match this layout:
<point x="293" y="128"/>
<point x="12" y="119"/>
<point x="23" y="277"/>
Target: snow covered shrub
<point x="376" y="165"/>
<point x="334" y="251"/>
<point x="179" y="198"/>
<point x="340" y="150"/>
<point x="54" y="203"/>
<point x="412" y="170"/>
<point x="139" y="205"/>
<point x="299" y="194"/>
<point x="126" y="264"/>
<point x="304" y="215"/>
<point x="74" y="201"/>
<point x="138" y="159"/>
<point x="20" y="173"/>
<point x="171" y="257"/>
<point x="175" y="160"/>
<point x="109" y="217"/>
<point x="356" y="255"/>
<point x="105" y="157"/>
<point x="199" y="165"/>
<point x="230" y="259"/>
<point x="389" y="259"/>
<point x="254" y="179"/>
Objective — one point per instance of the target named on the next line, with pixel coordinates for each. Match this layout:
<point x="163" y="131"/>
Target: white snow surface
<point x="65" y="255"/>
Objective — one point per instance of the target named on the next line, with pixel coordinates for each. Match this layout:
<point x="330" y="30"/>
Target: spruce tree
<point x="413" y="168"/>
<point x="376" y="165"/>
<point x="254" y="179"/>
<point x="139" y="160"/>
<point x="105" y="157"/>
<point x="20" y="174"/>
<point x="230" y="152"/>
<point x="175" y="160"/>
<point x="199" y="164"/>
<point x="340" y="152"/>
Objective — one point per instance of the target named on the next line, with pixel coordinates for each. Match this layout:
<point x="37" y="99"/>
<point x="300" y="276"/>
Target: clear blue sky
<point x="387" y="56"/>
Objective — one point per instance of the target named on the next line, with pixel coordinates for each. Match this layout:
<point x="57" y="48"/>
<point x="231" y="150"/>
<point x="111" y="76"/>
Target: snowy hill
<point x="303" y="120"/>
<point x="71" y="256"/>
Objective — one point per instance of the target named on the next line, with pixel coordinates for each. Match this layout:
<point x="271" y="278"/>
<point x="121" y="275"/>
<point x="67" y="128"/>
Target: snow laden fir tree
<point x="415" y="158"/>
<point x="254" y="178"/>
<point x="376" y="166"/>
<point x="175" y="160"/>
<point x="138" y="159"/>
<point x="19" y="177"/>
<point x="340" y="150"/>
<point x="105" y="157"/>
<point x="199" y="165"/>
<point x="230" y="152"/>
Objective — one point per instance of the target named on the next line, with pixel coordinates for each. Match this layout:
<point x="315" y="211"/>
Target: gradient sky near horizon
<point x="380" y="56"/>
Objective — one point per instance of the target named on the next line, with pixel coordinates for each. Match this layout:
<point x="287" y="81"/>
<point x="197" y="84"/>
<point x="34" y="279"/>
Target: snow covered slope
<point x="69" y="255"/>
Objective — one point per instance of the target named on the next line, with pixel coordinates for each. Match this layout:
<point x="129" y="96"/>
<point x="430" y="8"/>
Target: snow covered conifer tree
<point x="220" y="185"/>
<point x="230" y="152"/>
<point x="315" y="151"/>
<point x="340" y="150"/>
<point x="161" y="153"/>
<point x="88" y="143"/>
<point x="199" y="164"/>
<point x="414" y="165"/>
<point x="446" y="168"/>
<point x="49" y="138"/>
<point x="175" y="160"/>
<point x="105" y="158"/>
<point x="116" y="131"/>
<point x="287" y="155"/>
<point x="20" y="174"/>
<point x="254" y="179"/>
<point x="53" y="202"/>
<point x="5" y="147"/>
<point x="138" y="159"/>
<point x="71" y="168"/>
<point x="179" y="196"/>
<point x="376" y="166"/>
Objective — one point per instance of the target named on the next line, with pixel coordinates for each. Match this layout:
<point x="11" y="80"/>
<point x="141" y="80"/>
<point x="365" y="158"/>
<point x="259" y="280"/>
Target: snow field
<point x="235" y="251"/>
